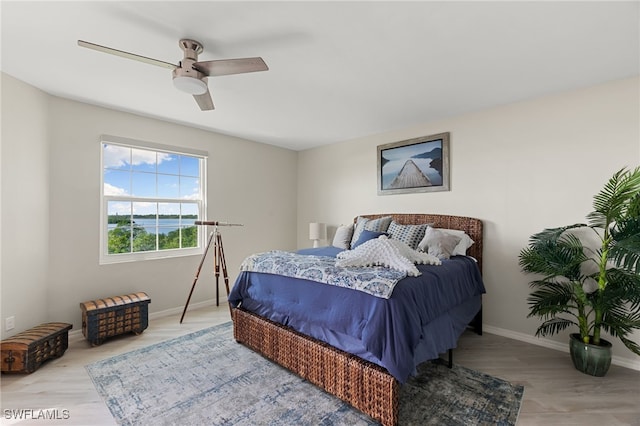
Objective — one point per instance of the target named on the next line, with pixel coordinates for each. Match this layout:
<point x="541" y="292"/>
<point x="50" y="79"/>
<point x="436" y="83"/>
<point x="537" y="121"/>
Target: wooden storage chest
<point x="26" y="351"/>
<point x="112" y="316"/>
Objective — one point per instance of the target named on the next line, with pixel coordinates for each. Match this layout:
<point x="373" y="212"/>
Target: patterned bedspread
<point x="377" y="281"/>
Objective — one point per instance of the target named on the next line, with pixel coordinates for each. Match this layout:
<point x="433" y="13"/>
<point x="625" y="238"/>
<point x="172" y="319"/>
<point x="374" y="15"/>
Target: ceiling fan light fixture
<point x="190" y="85"/>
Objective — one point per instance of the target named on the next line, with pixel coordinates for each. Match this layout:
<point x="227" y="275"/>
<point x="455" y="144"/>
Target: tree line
<point x="116" y="218"/>
<point x="127" y="238"/>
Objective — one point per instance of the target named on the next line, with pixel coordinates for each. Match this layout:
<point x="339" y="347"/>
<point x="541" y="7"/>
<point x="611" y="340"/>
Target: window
<point x="151" y="197"/>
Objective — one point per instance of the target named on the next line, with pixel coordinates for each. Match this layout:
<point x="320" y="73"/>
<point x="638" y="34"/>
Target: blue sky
<point x="143" y="174"/>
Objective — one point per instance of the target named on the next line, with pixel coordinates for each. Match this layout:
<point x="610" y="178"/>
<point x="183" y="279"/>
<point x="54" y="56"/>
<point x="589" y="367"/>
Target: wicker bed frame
<point x="366" y="386"/>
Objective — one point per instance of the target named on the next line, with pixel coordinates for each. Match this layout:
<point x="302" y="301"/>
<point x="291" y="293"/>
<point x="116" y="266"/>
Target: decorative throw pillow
<point x="342" y="238"/>
<point x="377" y="225"/>
<point x="463" y="245"/>
<point x="411" y="235"/>
<point x="438" y="243"/>
<point x="368" y="235"/>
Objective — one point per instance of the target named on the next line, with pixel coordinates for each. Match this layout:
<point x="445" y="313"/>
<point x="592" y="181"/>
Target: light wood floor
<point x="555" y="393"/>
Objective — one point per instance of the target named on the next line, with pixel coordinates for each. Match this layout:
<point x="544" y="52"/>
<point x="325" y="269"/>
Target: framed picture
<point x="414" y="165"/>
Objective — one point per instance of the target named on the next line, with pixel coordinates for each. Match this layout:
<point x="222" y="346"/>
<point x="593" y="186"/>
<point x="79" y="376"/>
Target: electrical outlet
<point x="9" y="323"/>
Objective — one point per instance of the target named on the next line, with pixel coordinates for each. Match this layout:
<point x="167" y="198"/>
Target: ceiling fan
<point x="189" y="75"/>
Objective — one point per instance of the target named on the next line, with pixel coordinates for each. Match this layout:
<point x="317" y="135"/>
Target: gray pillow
<point x="342" y="238"/>
<point x="438" y="243"/>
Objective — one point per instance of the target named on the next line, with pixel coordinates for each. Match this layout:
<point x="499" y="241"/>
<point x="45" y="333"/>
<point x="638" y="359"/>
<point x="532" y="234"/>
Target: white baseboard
<point x="551" y="344"/>
<point x="192" y="306"/>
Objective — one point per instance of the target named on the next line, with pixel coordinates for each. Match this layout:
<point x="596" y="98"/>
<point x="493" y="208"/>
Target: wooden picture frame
<point x="414" y="165"/>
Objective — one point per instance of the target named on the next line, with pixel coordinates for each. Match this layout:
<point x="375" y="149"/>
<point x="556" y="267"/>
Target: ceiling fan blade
<point x="127" y="55"/>
<point x="204" y="101"/>
<point x="230" y="66"/>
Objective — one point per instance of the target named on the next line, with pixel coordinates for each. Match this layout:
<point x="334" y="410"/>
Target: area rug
<point x="206" y="378"/>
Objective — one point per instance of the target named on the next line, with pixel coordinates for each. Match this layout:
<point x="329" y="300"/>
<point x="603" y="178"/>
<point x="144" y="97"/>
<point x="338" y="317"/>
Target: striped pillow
<point x="376" y="225"/>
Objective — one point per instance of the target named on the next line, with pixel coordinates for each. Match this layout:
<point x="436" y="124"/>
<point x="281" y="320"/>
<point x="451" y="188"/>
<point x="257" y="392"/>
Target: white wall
<point x="520" y="168"/>
<point x="25" y="204"/>
<point x="250" y="183"/>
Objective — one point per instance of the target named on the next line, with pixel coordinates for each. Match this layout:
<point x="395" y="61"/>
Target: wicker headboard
<point x="470" y="225"/>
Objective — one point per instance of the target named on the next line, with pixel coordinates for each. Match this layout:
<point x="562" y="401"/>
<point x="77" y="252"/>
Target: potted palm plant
<point x="593" y="288"/>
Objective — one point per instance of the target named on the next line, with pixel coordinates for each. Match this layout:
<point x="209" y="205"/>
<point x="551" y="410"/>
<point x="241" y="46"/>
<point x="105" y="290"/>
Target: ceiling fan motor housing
<point x="186" y="69"/>
<point x="185" y="76"/>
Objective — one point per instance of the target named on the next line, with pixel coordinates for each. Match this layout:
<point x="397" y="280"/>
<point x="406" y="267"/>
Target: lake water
<point x="164" y="225"/>
<point x="391" y="169"/>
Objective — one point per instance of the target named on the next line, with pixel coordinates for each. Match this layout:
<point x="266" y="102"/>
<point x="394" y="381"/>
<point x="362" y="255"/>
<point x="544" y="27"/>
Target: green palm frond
<point x="620" y="322"/>
<point x="623" y="285"/>
<point x="553" y="252"/>
<point x="612" y="202"/>
<point x="621" y="318"/>
<point x="630" y="344"/>
<point x="554" y="326"/>
<point x="551" y="300"/>
<point x="625" y="250"/>
<point x="552" y="234"/>
<point x="634" y="207"/>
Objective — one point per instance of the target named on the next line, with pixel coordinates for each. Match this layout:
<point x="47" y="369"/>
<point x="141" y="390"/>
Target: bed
<point x="325" y="334"/>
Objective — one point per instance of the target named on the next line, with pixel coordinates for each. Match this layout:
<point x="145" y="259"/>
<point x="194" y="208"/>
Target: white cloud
<point x="165" y="157"/>
<point x="168" y="208"/>
<point x="141" y="156"/>
<point x="145" y="207"/>
<point x="120" y="208"/>
<point x="115" y="156"/>
<point x="114" y="190"/>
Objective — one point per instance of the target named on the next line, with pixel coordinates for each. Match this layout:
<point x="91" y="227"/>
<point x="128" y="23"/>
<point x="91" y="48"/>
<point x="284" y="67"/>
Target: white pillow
<point x="342" y="238"/>
<point x="460" y="249"/>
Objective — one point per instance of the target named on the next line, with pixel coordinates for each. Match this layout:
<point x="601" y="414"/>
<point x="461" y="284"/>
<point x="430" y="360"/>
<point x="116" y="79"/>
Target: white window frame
<point x="105" y="257"/>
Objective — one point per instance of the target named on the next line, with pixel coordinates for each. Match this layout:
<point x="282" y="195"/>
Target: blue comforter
<point x="423" y="318"/>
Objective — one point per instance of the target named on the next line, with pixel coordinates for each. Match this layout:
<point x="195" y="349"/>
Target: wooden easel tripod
<point x="219" y="261"/>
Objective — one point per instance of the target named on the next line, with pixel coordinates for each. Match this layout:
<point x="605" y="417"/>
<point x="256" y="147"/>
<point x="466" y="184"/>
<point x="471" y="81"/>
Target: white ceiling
<point x="338" y="70"/>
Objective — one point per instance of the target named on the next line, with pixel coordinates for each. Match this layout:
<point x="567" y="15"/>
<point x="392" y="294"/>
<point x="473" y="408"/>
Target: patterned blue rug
<point x="206" y="378"/>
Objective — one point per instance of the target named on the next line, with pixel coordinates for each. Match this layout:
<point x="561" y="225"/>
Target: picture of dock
<point x="410" y="176"/>
<point x="412" y="166"/>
